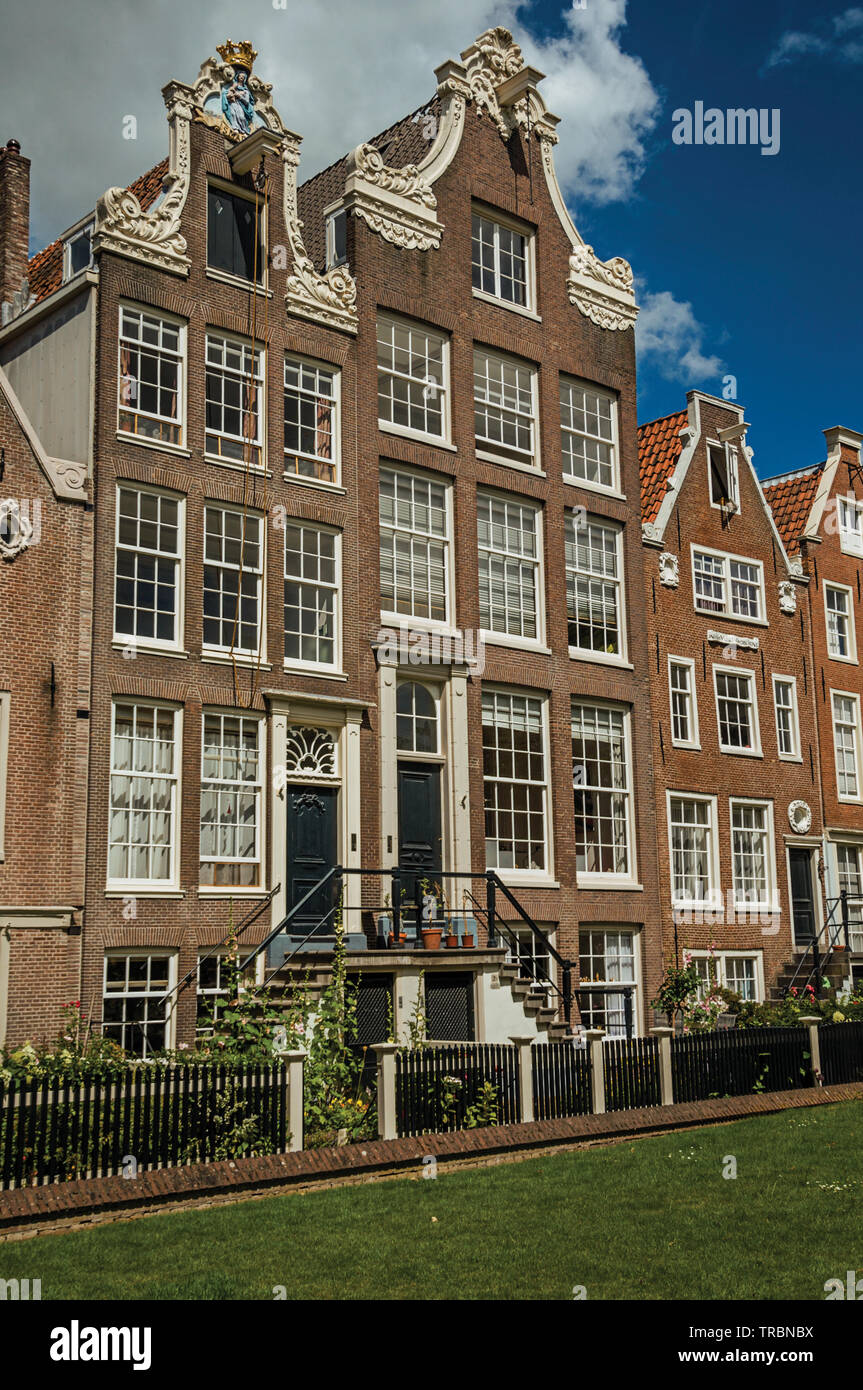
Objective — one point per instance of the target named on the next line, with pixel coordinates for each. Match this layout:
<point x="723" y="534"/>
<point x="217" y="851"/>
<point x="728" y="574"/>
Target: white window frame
<point x="721" y="974"/>
<point x="727" y="611"/>
<point x="150" y="887"/>
<point x="435" y="754"/>
<point x="488" y="448"/>
<point x="851" y="624"/>
<point x="258" y="443"/>
<point x="694" y="741"/>
<point x="731" y="473"/>
<point x="614" y="488"/>
<point x="850" y="538"/>
<point x="243" y="655"/>
<point x="855" y="910"/>
<point x="713" y="898"/>
<point x="331" y="217"/>
<point x="5" y="712"/>
<point x="182" y="357"/>
<point x="257" y="787"/>
<point x="545" y="875"/>
<point x="795" y="756"/>
<point x="499" y="221"/>
<point x="748" y="674"/>
<point x="493" y="636"/>
<point x="299" y="663"/>
<point x="620" y="658"/>
<point x="855" y="701"/>
<point x="598" y="878"/>
<point x="308" y="479"/>
<point x="771" y="902"/>
<point x="584" y="984"/>
<point x="209" y="993"/>
<point x="389" y="615"/>
<point x="127" y="953"/>
<point x="128" y="640"/>
<point x="77" y="232"/>
<point x="428" y="384"/>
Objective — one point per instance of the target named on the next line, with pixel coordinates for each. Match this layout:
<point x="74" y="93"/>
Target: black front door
<point x="419" y="826"/>
<point x="312" y="850"/>
<point x="802" y="897"/>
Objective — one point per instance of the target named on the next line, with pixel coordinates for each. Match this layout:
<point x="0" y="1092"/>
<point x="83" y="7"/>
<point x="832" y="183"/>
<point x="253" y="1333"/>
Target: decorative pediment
<point x="602" y="290"/>
<point x="490" y="60"/>
<point x="398" y="204"/>
<point x="230" y="98"/>
<point x="331" y="298"/>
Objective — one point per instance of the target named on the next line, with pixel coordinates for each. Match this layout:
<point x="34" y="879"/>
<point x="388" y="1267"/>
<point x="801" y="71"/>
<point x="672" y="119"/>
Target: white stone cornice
<point x="398" y="204"/>
<point x="602" y="290"/>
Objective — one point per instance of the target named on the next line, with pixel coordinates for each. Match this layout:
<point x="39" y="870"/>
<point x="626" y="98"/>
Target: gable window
<point x="136" y="1000"/>
<point x="414" y="537"/>
<point x="723" y="476"/>
<point x="504" y="410"/>
<point x="751" y="832"/>
<point x="230" y="801"/>
<point x="593" y="585"/>
<point x="500" y="261"/>
<point x="684" y="707"/>
<point x="78" y="252"/>
<point x="150" y="382"/>
<point x="601" y="783"/>
<point x="606" y="957"/>
<point x="787" y="723"/>
<point x="727" y="585"/>
<point x="514" y="780"/>
<point x="235" y="235"/>
<point x="509" y="578"/>
<point x="850" y="525"/>
<point x="311" y="420"/>
<point x="147" y="586"/>
<point x="692" y="831"/>
<point x="841" y="637"/>
<point x="846" y="744"/>
<point x="337" y="238"/>
<point x="233" y="575"/>
<point x="588" y="423"/>
<point x="311" y="594"/>
<point x="737" y="711"/>
<point x="413" y="370"/>
<point x="234" y="382"/>
<point x="143" y="794"/>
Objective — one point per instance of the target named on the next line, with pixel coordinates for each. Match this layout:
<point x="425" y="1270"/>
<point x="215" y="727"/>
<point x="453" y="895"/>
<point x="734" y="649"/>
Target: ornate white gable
<point x="397" y="203"/>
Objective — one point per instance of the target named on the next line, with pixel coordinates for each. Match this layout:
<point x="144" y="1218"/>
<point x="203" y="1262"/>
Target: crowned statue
<point x="238" y="102"/>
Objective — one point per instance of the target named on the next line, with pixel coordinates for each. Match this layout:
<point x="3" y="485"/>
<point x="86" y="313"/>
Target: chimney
<point x="14" y="219"/>
<point x="845" y="442"/>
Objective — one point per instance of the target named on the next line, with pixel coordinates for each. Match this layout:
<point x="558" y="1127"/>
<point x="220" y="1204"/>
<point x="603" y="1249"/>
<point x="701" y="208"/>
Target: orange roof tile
<point x="790" y="499"/>
<point x="659" y="448"/>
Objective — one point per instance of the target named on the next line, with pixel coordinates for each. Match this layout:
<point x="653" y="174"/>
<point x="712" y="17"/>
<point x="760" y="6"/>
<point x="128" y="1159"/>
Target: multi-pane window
<point x="601" y="789"/>
<point x="150" y="382"/>
<point x="499" y="261"/>
<point x="509" y="578"/>
<point x="849" y="867"/>
<point x="606" y="958"/>
<point x="231" y="801"/>
<point x="787" y="728"/>
<point x="728" y="586"/>
<point x="841" y="639"/>
<point x="723" y="474"/>
<point x="514" y="779"/>
<point x="684" y="714"/>
<point x="593" y="600"/>
<point x="311" y="594"/>
<point x="233" y="570"/>
<point x="147" y="581"/>
<point x="741" y="976"/>
<point x="587" y="422"/>
<point x="78" y="252"/>
<point x="412" y="371"/>
<point x="311" y="420"/>
<point x="750" y="853"/>
<point x="736" y="712"/>
<point x="414" y="521"/>
<point x="136" y="1002"/>
<point x="416" y="719"/>
<point x="850" y="525"/>
<point x="846" y="718"/>
<point x="504" y="411"/>
<point x="691" y="835"/>
<point x="143" y="794"/>
<point x="530" y="954"/>
<point x="235" y="235"/>
<point x="234" y="389"/>
<point x="212" y="991"/>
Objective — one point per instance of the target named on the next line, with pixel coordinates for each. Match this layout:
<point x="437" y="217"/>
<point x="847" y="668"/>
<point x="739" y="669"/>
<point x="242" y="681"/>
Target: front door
<point x="802" y="896"/>
<point x="312" y="850"/>
<point x="419" y="827"/>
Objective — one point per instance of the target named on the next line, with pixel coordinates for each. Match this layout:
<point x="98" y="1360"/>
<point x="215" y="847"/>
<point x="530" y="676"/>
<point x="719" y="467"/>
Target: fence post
<point x="594" y="1038"/>
<point x="666" y="1081"/>
<point x="295" y="1062"/>
<point x="812" y="1022"/>
<point x="386" y="1055"/>
<point x="525" y="1077"/>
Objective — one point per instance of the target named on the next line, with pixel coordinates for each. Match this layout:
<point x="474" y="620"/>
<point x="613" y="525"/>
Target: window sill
<point x="686" y="747"/>
<point x="136" y="891"/>
<point x="526" y="879"/>
<point x="225" y="659"/>
<point x="521" y="644"/>
<point x="226" y="278"/>
<point x="162" y="448"/>
<point x="148" y="649"/>
<point x="233" y="893"/>
<point x="325" y="675"/>
<point x="608" y="883"/>
<point x="258" y="469"/>
<point x="730" y="618"/>
<point x="601" y="659"/>
<point x="318" y="484"/>
<point x="742" y="752"/>
<point x="598" y="488"/>
<point x="505" y="304"/>
<point x="532" y="470"/>
<point x="404" y="622"/>
<point x="844" y="660"/>
<point x="789" y="758"/>
<point x="434" y="441"/>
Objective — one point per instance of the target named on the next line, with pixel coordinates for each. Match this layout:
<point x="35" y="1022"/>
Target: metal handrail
<point x="532" y="969"/>
<point x="246" y="922"/>
<point x="818" y="962"/>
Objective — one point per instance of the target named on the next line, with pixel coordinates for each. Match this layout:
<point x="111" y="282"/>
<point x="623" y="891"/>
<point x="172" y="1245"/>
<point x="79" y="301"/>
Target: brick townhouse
<point x="819" y="512"/>
<point x="367" y="573"/>
<point x="736" y="747"/>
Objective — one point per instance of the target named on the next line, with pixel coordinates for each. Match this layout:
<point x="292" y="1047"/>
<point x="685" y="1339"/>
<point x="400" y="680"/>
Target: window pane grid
<point x="600" y="774"/>
<point x="786" y="722"/>
<point x="311" y="595"/>
<point x="147" y="566"/>
<point x="230" y="801"/>
<point x="234" y="380"/>
<point x="681" y="702"/>
<point x="507" y="537"/>
<point x="587" y="434"/>
<point x="514" y="781"/>
<point x="311" y="420"/>
<point x="592" y="586"/>
<point x="838" y="625"/>
<point x="232" y="580"/>
<point x="134" y="1006"/>
<point x="749" y="830"/>
<point x="736" y="711"/>
<point x="691" y="830"/>
<point x="498" y="260"/>
<point x="143" y="788"/>
<point x="503" y="406"/>
<point x="414" y="540"/>
<point x="411" y="379"/>
<point x="845" y="741"/>
<point x="150" y="376"/>
<point x="606" y="957"/>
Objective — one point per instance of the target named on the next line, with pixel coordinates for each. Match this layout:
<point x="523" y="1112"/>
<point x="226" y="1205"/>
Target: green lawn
<point x="652" y="1218"/>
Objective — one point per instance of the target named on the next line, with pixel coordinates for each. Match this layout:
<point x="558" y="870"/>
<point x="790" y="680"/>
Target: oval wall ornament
<point x="800" y="817"/>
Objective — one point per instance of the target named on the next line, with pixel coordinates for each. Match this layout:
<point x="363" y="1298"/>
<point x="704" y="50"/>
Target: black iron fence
<point x="442" y="1088"/>
<point x="561" y="1081"/>
<point x="154" y="1117"/>
<point x="740" y="1062"/>
<point x="631" y="1072"/>
<point x="841" y="1047"/>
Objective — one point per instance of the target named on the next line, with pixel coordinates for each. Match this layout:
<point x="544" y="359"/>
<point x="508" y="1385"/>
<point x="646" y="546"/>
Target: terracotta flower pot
<point x="432" y="938"/>
<point x="452" y="940"/>
<point x="468" y="940"/>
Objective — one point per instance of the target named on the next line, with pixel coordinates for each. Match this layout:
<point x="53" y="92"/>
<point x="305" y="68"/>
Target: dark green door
<point x="802" y="897"/>
<point x="312" y="850"/>
<point x="419" y="826"/>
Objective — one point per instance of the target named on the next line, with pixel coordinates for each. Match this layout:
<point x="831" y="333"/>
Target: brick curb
<point x="36" y="1210"/>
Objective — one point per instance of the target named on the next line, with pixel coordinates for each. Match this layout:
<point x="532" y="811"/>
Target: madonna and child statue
<point x="238" y="102"/>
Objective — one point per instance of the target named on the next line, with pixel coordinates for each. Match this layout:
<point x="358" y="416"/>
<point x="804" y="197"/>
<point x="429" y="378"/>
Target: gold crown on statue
<point x="238" y="55"/>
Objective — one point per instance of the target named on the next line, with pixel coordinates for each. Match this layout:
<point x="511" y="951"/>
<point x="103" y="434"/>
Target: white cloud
<point x="670" y="339"/>
<point x="842" y="40"/>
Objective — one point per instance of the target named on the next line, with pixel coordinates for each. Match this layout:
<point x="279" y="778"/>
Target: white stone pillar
<point x="525" y="1077"/>
<point x="811" y="1021"/>
<point x="386" y="1055"/>
<point x="666" y="1080"/>
<point x="594" y="1045"/>
<point x="295" y="1061"/>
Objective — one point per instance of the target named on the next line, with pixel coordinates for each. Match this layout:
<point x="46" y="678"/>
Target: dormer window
<point x="235" y="235"/>
<point x="724" y="491"/>
<point x="78" y="252"/>
<point x="337" y="238"/>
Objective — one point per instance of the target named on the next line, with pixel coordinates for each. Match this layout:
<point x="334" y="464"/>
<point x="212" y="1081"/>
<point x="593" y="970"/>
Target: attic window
<point x="337" y="239"/>
<point x="78" y="252"/>
<point x="723" y="476"/>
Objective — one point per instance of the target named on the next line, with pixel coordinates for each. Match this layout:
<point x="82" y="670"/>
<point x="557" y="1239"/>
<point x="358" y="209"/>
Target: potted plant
<point x="468" y="932"/>
<point x="432" y="937"/>
<point x="451" y="934"/>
